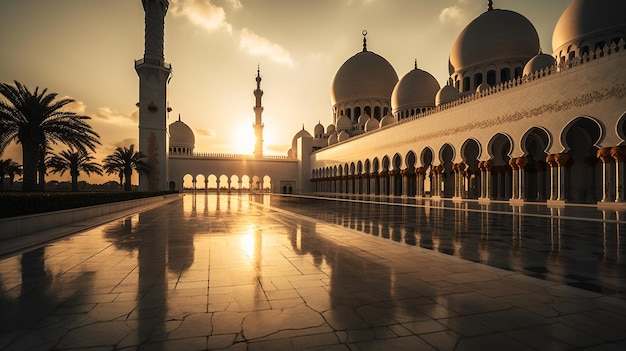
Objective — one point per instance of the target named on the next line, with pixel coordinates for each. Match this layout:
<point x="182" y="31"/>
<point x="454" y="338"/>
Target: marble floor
<point x="260" y="272"/>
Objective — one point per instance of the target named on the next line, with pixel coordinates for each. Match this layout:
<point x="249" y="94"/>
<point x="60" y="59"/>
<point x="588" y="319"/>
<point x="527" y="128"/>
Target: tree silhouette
<point x="36" y="119"/>
<point x="75" y="162"/>
<point x="9" y="168"/>
<point x="123" y="161"/>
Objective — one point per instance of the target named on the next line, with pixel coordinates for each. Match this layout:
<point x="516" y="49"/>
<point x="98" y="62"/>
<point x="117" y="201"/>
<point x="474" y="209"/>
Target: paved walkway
<point x="254" y="273"/>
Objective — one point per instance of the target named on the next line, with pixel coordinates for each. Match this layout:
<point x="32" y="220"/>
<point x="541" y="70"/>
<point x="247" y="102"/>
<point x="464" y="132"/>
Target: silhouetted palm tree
<point x="9" y="168"/>
<point x="123" y="161"/>
<point x="35" y="119"/>
<point x="74" y="162"/>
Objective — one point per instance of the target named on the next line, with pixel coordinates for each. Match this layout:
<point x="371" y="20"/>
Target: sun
<point x="243" y="141"/>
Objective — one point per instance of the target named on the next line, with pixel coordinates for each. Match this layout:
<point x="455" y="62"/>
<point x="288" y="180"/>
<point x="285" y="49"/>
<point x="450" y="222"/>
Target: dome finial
<point x="415" y="63"/>
<point x="364" y="32"/>
<point x="179" y="117"/>
<point x="490" y="6"/>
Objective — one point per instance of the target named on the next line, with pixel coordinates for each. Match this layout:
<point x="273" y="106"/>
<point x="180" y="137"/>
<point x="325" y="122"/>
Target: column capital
<point x="618" y="153"/>
<point x="521" y="162"/>
<point x="604" y="154"/>
<point x="561" y="159"/>
<point x="407" y="172"/>
<point x="513" y="164"/>
<point x="550" y="160"/>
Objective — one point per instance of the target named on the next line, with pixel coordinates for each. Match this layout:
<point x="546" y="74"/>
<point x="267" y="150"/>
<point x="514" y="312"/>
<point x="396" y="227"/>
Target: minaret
<point x="258" y="110"/>
<point x="153" y="73"/>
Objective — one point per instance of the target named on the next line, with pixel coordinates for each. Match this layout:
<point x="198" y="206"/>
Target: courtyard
<point x="270" y="272"/>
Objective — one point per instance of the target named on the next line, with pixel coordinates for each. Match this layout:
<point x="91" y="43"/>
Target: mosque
<point x="511" y="123"/>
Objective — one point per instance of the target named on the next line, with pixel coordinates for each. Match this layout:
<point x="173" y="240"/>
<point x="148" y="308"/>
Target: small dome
<point x="343" y="136"/>
<point x="301" y="134"/>
<point x="318" y="130"/>
<point x="344" y="123"/>
<point x="387" y="120"/>
<point x="587" y="22"/>
<point x="181" y="135"/>
<point x="495" y="36"/>
<point x="363" y="118"/>
<point x="447" y="94"/>
<point x="482" y="87"/>
<point x="365" y="75"/>
<point x="539" y="62"/>
<point x="416" y="89"/>
<point x="331" y="129"/>
<point x="371" y="124"/>
<point x="333" y="139"/>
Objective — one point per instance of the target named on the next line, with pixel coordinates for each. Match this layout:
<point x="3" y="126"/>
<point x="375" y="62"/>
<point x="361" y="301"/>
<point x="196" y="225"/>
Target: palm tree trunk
<point x="127" y="184"/>
<point x="42" y="169"/>
<point x="74" y="182"/>
<point x="30" y="159"/>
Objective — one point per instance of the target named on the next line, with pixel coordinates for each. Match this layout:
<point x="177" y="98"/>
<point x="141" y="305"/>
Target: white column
<point x="604" y="154"/>
<point x="562" y="160"/>
<point x="619" y="154"/>
<point x="514" y="179"/>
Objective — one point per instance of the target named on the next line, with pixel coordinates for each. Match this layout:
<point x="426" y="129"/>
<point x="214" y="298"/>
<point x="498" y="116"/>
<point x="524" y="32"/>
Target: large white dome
<point x="365" y="75"/>
<point x="416" y="89"/>
<point x="588" y="22"/>
<point x="495" y="36"/>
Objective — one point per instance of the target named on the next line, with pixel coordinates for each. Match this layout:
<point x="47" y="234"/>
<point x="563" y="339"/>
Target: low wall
<point x="23" y="225"/>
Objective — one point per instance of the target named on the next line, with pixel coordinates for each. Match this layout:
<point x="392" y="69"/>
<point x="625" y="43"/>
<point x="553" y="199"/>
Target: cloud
<point x="254" y="45"/>
<point x="113" y="116"/>
<point x="204" y="13"/>
<point x="77" y="107"/>
<point x="206" y="132"/>
<point x="453" y="14"/>
<point x="235" y="4"/>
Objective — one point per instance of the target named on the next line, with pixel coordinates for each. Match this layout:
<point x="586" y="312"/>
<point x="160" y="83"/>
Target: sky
<point x="85" y="50"/>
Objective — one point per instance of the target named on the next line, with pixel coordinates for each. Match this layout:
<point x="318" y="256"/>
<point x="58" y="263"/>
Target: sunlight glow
<point x="247" y="242"/>
<point x="243" y="141"/>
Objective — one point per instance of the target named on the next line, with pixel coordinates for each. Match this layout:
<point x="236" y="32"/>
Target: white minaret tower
<point x="153" y="73"/>
<point x="258" y="110"/>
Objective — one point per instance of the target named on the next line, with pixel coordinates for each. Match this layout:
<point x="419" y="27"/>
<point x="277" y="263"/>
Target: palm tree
<point x="9" y="168"/>
<point x="123" y="161"/>
<point x="74" y="162"/>
<point x="36" y="119"/>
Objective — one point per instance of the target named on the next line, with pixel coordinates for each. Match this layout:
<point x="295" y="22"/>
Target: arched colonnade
<point x="225" y="183"/>
<point x="585" y="171"/>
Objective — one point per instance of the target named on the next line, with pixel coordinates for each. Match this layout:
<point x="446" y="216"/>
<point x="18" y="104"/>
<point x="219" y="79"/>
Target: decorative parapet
<point x="228" y="156"/>
<point x="599" y="54"/>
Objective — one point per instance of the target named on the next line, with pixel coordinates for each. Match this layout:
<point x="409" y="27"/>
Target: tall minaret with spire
<point x="258" y="110"/>
<point x="154" y="74"/>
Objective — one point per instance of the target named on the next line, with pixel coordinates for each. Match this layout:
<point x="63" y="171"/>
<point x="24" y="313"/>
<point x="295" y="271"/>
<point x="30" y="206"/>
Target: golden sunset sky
<point x="85" y="49"/>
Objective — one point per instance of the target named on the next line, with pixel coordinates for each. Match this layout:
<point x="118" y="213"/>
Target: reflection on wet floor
<point x="261" y="272"/>
<point x="576" y="245"/>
